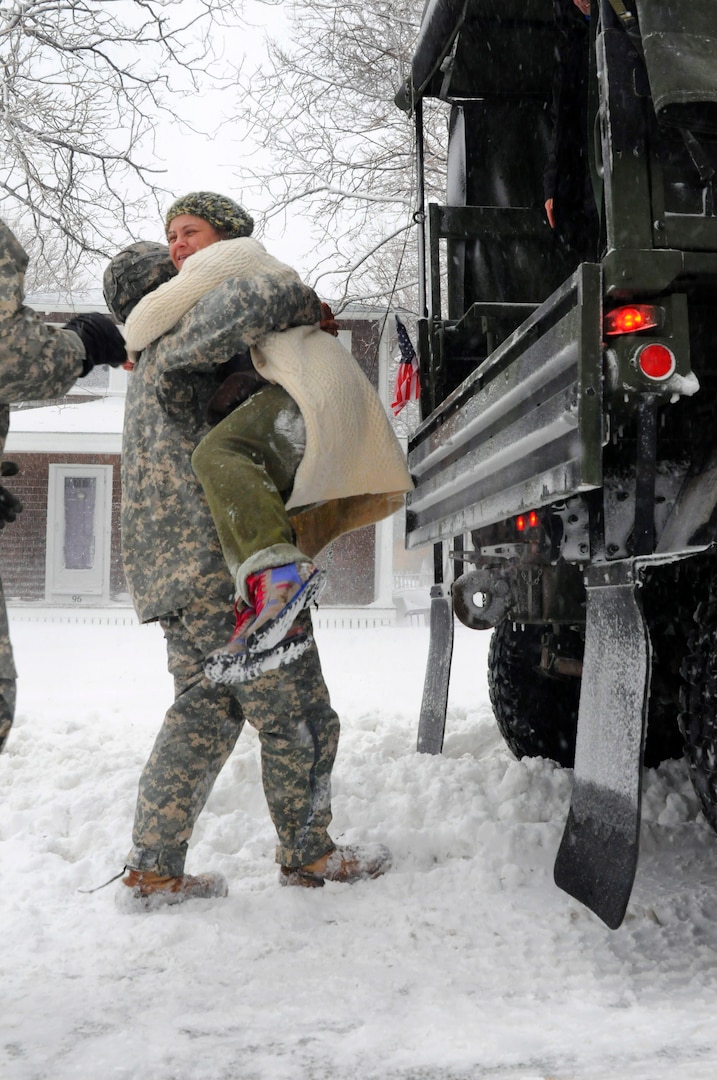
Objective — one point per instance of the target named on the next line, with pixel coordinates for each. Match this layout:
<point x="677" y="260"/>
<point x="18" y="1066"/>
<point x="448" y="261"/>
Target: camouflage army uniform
<point x="36" y="361"/>
<point x="176" y="573"/>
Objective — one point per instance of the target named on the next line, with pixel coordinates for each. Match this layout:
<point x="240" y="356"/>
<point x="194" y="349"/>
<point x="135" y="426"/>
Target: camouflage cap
<point x="139" y="269"/>
<point x="222" y="213"/>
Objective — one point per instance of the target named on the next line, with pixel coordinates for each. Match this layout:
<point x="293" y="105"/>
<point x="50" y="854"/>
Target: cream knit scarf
<point x="162" y="309"/>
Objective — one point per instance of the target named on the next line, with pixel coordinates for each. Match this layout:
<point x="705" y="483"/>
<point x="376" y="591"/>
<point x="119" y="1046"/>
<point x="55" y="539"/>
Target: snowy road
<point x="463" y="962"/>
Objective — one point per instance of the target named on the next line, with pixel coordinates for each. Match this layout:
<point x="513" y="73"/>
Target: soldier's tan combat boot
<point x="346" y="865"/>
<point x="146" y="890"/>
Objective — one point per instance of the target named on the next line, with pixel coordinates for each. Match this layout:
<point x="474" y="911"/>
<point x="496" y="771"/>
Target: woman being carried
<point x="309" y="435"/>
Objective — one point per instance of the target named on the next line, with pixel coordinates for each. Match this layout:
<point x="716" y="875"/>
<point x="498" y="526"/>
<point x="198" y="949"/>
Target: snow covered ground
<point x="465" y="961"/>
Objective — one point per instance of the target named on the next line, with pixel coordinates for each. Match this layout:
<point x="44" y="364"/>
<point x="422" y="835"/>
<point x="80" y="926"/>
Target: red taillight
<point x="522" y="522"/>
<point x="656" y="361"/>
<point x="632" y="319"/>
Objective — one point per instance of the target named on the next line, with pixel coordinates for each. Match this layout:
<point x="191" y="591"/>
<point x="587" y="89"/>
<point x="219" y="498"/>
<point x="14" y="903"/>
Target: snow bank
<point x="465" y="961"/>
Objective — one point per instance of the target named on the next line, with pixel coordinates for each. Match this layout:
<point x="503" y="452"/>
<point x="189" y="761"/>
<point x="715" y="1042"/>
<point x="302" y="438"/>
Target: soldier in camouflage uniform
<point x="36" y="361"/>
<point x="176" y="575"/>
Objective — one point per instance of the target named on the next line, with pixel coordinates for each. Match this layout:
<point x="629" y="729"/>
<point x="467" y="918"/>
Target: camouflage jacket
<point x="36" y="360"/>
<point x="170" y="548"/>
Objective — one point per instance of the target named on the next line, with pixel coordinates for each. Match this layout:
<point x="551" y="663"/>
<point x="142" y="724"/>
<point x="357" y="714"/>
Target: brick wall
<point x="23" y="543"/>
<point x="350" y="562"/>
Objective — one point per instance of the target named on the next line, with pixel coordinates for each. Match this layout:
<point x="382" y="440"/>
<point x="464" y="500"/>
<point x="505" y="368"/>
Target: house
<point x="64" y="549"/>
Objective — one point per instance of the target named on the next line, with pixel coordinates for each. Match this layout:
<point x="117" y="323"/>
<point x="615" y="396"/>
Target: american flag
<point x="408" y="386"/>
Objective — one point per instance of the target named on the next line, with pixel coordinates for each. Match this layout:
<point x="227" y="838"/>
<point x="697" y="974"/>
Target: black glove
<point x="10" y="505"/>
<point x="102" y="340"/>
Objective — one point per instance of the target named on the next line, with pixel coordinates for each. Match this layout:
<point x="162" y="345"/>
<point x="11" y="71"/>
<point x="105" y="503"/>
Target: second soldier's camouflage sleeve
<point x="234" y="316"/>
<point x="36" y="361"/>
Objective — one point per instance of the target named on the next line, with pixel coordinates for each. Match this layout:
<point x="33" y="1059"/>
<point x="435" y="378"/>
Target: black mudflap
<point x="432" y="721"/>
<point x="597" y="858"/>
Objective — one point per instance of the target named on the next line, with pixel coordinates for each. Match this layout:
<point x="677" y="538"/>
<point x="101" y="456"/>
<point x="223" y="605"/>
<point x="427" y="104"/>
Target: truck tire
<point x="668" y="607"/>
<point x="698" y="717"/>
<point x="536" y="713"/>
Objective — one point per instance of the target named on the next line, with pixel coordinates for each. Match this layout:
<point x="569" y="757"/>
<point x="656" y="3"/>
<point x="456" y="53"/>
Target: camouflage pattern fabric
<point x="298" y="731"/>
<point x="175" y="572"/>
<point x="7" y="676"/>
<point x="170" y="546"/>
<point x="7" y="708"/>
<point x="7" y="664"/>
<point x="36" y="361"/>
<point x="137" y="270"/>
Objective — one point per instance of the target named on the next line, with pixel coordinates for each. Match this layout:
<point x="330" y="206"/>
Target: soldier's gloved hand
<point x="328" y="322"/>
<point x="10" y="505"/>
<point x="9" y="468"/>
<point x="102" y="340"/>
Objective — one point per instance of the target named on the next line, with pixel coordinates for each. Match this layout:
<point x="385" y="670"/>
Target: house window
<point x="79" y="540"/>
<point x="79" y="520"/>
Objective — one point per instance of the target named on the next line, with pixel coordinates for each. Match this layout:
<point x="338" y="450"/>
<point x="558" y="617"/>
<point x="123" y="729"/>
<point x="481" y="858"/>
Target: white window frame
<point x="78" y="587"/>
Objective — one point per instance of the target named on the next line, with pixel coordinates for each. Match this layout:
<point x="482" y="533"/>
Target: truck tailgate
<point x="525" y="429"/>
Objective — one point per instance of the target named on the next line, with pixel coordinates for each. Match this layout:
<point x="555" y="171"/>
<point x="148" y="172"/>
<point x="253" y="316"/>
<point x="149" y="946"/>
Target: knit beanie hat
<point x="136" y="271"/>
<point x="222" y="213"/>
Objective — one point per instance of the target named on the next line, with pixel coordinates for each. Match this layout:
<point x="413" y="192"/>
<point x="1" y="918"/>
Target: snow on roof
<point x="90" y="300"/>
<point x="87" y="427"/>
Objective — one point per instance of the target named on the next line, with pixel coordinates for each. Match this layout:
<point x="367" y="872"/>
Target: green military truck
<point x="565" y="464"/>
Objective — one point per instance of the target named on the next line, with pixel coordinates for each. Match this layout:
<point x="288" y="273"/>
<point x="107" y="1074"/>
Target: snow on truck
<point x="565" y="464"/>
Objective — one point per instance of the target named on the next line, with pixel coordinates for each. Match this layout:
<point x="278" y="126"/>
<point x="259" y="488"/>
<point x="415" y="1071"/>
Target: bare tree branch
<point x="330" y="140"/>
<point x="82" y="87"/>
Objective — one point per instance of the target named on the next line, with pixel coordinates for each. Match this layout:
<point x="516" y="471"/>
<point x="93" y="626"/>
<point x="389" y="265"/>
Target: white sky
<point x="202" y="163"/>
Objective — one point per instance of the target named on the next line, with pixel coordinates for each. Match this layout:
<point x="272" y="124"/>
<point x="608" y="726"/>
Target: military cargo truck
<point x="565" y="465"/>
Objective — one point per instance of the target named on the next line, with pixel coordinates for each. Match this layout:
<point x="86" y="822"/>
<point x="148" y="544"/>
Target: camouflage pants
<point x="298" y="732"/>
<point x="255" y="451"/>
<point x="7" y="676"/>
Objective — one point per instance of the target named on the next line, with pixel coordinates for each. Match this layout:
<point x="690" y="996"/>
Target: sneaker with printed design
<point x="264" y="637"/>
<point x="277" y="596"/>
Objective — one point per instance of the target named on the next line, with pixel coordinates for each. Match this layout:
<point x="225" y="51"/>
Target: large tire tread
<point x="537" y="713"/>
<point x="698" y="716"/>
